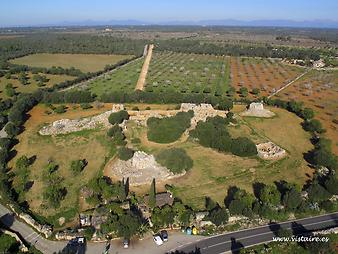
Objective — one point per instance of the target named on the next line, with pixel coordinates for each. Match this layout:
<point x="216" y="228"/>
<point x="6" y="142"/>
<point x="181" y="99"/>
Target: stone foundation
<point x="270" y="151"/>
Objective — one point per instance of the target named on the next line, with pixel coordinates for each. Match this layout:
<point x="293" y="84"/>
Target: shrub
<point x="118" y="117"/>
<point x="135" y="108"/>
<point x="125" y="153"/>
<point x="175" y="159"/>
<point x="169" y="129"/>
<point x="313" y="126"/>
<point x="114" y="130"/>
<point x="243" y="147"/>
<point x="60" y="109"/>
<point x="77" y="166"/>
<point x="86" y="106"/>
<point x="219" y="216"/>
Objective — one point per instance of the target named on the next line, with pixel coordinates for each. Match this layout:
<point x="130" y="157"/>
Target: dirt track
<point x="144" y="71"/>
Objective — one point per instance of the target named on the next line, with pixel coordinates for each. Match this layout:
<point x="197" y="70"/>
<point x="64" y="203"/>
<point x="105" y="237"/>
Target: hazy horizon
<point x="40" y="13"/>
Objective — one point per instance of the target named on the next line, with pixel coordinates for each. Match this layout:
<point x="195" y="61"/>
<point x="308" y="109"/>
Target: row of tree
<point x="197" y="47"/>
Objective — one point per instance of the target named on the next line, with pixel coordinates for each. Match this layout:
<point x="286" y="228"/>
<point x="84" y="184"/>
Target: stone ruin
<point x="201" y="112"/>
<point x="141" y="169"/>
<point x="270" y="151"/>
<point x="64" y="126"/>
<point x="257" y="109"/>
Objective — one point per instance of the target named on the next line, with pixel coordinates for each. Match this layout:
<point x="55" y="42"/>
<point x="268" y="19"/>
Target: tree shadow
<point x="32" y="159"/>
<point x="7" y="220"/>
<point x="230" y="195"/>
<point x="74" y="247"/>
<point x="274" y="228"/>
<point x="196" y="251"/>
<point x="236" y="246"/>
<point x="257" y="187"/>
<point x="29" y="185"/>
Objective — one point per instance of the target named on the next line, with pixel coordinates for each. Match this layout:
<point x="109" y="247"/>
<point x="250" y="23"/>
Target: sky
<point x="47" y="12"/>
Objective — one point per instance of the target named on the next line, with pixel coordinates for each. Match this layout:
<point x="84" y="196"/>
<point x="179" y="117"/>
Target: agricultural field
<point x="123" y="79"/>
<point x="83" y="62"/>
<point x="31" y="85"/>
<point x="188" y="73"/>
<point x="319" y="91"/>
<point x="222" y="170"/>
<point x="268" y="75"/>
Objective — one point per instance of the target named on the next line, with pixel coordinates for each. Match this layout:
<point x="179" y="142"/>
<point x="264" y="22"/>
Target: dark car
<point x="164" y="235"/>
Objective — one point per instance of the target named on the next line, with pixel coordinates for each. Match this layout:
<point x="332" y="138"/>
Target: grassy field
<point x="188" y="73"/>
<point x="91" y="145"/>
<point x="319" y="91"/>
<point x="84" y="62"/>
<point x="32" y="84"/>
<point x="214" y="172"/>
<point x="121" y="79"/>
<point x="268" y="75"/>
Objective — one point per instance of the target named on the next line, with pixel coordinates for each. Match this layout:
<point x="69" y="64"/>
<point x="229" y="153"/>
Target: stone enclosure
<point x="270" y="151"/>
<point x="256" y="109"/>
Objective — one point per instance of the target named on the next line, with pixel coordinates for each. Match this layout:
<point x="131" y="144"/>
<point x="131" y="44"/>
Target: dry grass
<point x="84" y="62"/>
<point x="213" y="172"/>
<point x="87" y="145"/>
<point x="32" y="86"/>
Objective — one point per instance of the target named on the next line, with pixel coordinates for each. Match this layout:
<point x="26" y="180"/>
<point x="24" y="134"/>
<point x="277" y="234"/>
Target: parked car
<point x="158" y="240"/>
<point x="80" y="240"/>
<point x="125" y="243"/>
<point x="164" y="235"/>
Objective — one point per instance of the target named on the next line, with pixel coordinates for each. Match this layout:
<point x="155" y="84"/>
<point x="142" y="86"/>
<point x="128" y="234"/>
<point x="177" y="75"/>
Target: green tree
<point x="243" y="91"/>
<point x="219" y="216"/>
<point x="317" y="192"/>
<point x="292" y="199"/>
<point x="118" y="117"/>
<point x="128" y="225"/>
<point x="10" y="91"/>
<point x="77" y="166"/>
<point x="152" y="195"/>
<point x="331" y="184"/>
<point x="270" y="195"/>
<point x="125" y="153"/>
<point x="308" y="113"/>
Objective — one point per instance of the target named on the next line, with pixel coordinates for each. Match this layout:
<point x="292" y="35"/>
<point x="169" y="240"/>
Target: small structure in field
<point x="270" y="151"/>
<point x="257" y="109"/>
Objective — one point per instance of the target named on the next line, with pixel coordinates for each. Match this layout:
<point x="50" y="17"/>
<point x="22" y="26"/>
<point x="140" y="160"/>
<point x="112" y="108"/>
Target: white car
<point x="158" y="240"/>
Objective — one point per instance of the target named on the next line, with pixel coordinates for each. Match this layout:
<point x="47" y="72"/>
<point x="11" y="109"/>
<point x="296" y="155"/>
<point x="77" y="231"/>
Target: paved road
<point x="234" y="241"/>
<point x="211" y="245"/>
<point x="48" y="247"/>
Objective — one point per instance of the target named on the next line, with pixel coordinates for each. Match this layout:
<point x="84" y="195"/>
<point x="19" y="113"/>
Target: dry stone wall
<point x="64" y="126"/>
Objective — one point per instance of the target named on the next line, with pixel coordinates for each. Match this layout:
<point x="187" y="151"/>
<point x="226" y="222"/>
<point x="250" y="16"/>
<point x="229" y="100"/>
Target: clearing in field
<point x="319" y="91"/>
<point x="268" y="75"/>
<point x="32" y="84"/>
<point x="83" y="62"/>
<point x="188" y="73"/>
<point x="213" y="172"/>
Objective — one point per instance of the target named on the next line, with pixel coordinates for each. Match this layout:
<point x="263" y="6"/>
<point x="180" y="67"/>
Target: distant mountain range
<point x="225" y="22"/>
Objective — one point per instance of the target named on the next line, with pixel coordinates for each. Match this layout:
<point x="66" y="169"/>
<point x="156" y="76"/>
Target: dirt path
<point x="142" y="79"/>
<point x="290" y="83"/>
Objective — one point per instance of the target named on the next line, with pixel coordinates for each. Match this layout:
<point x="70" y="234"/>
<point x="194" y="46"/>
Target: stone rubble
<point x="141" y="169"/>
<point x="257" y="109"/>
<point x="270" y="151"/>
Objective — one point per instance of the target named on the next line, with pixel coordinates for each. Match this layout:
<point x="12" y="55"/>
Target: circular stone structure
<point x="141" y="169"/>
<point x="270" y="151"/>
